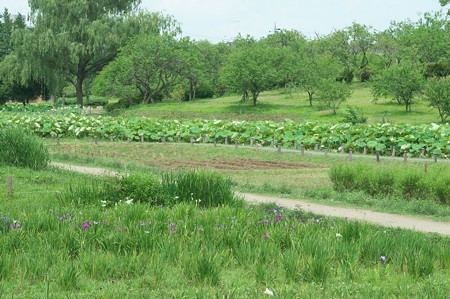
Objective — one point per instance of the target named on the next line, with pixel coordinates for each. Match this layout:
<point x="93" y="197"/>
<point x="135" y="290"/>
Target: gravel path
<point x="383" y="219"/>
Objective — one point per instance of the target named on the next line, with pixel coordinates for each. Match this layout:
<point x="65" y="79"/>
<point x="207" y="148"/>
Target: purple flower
<point x="172" y="228"/>
<point x="15" y="224"/>
<point x="62" y="218"/>
<point x="85" y="225"/>
<point x="278" y="218"/>
<point x="265" y="235"/>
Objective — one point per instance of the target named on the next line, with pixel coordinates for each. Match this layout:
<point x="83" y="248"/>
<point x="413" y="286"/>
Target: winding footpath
<point x="383" y="219"/>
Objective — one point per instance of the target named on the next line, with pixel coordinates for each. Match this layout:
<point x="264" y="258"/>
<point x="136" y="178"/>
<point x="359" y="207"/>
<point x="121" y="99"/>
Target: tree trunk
<point x="310" y="95"/>
<point x="79" y="91"/>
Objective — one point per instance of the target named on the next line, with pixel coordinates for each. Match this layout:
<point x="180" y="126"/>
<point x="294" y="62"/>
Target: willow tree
<point x="72" y="40"/>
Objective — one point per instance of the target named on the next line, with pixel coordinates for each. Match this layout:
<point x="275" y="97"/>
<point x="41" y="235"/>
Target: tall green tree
<point x="250" y="69"/>
<point x="402" y="82"/>
<point x="147" y="66"/>
<point x="437" y="93"/>
<point x="72" y="40"/>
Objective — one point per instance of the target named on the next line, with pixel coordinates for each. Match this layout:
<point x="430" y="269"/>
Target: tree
<point x="313" y="70"/>
<point x="73" y="40"/>
<point x="332" y="94"/>
<point x="149" y="65"/>
<point x="437" y="93"/>
<point x="402" y="81"/>
<point x="250" y="69"/>
<point x="444" y="2"/>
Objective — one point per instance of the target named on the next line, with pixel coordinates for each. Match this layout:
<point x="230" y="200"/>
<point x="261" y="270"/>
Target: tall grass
<point x="408" y="181"/>
<point x="22" y="149"/>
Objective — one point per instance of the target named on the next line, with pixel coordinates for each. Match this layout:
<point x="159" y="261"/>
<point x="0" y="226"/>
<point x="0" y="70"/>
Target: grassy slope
<point x="278" y="105"/>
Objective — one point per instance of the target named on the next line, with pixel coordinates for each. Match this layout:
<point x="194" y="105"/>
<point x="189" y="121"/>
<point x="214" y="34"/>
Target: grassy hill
<point x="279" y="105"/>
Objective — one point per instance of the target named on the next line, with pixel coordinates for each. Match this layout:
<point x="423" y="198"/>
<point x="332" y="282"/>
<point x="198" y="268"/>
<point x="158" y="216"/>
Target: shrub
<point x="205" y="188"/>
<point x="144" y="188"/>
<point x="22" y="149"/>
<point x="354" y="116"/>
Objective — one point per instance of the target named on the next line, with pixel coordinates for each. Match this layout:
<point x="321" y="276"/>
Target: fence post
<point x="9" y="185"/>
<point x="192" y="141"/>
<point x="405" y="157"/>
<point x="273" y="141"/>
<point x="279" y="147"/>
<point x="295" y="145"/>
<point x="163" y="140"/>
<point x="316" y="147"/>
<point x="365" y="150"/>
<point x="215" y="142"/>
<point x="303" y="149"/>
<point x="236" y="143"/>
<point x="252" y="140"/>
<point x="378" y="156"/>
<point x="422" y="154"/>
<point x="435" y="158"/>
<point x="226" y="140"/>
<point x="393" y="151"/>
<point x="342" y="148"/>
<point x="142" y="138"/>
<point x="179" y="137"/>
<point x="350" y="154"/>
<point x="58" y="142"/>
<point x="129" y="139"/>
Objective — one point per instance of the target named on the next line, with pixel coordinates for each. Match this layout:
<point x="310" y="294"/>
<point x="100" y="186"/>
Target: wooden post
<point x="58" y="141"/>
<point x="422" y="154"/>
<point x="236" y="143"/>
<point x="273" y="141"/>
<point x="95" y="140"/>
<point x="163" y="140"/>
<point x="252" y="141"/>
<point x="342" y="148"/>
<point x="393" y="151"/>
<point x="215" y="142"/>
<point x="426" y="166"/>
<point x="302" y="149"/>
<point x="378" y="156"/>
<point x="111" y="138"/>
<point x="350" y="154"/>
<point x="9" y="185"/>
<point x="435" y="158"/>
<point x="179" y="138"/>
<point x="142" y="138"/>
<point x="295" y="145"/>
<point x="205" y="139"/>
<point x="279" y="147"/>
<point x="192" y="141"/>
<point x="316" y="147"/>
<point x="129" y="139"/>
<point x="326" y="152"/>
<point x="365" y="150"/>
<point x="405" y="157"/>
<point x="226" y="140"/>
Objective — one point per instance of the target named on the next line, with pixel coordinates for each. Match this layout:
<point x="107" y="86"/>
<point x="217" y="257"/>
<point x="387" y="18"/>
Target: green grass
<point x="289" y="175"/>
<point x="57" y="250"/>
<point x="278" y="105"/>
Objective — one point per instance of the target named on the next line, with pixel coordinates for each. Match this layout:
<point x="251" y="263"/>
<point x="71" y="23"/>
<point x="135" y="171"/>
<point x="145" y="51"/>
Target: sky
<point x="222" y="20"/>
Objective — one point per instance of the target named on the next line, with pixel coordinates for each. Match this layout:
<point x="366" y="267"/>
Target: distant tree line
<point x="112" y="48"/>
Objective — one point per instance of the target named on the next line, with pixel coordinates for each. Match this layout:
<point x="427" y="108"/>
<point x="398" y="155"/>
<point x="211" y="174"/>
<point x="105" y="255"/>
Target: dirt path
<point x="383" y="219"/>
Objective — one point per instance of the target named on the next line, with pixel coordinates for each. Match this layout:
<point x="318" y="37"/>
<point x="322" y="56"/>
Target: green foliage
<point x="401" y="81"/>
<point x="437" y="93"/>
<point x="354" y="116"/>
<point x="204" y="188"/>
<point x="143" y="188"/>
<point x="22" y="149"/>
<point x="333" y="94"/>
<point x="409" y="182"/>
<point x="149" y="65"/>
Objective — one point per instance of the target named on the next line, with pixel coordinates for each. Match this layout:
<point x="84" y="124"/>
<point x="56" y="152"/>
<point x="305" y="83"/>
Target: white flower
<point x="129" y="201"/>
<point x="338" y="235"/>
<point x="268" y="292"/>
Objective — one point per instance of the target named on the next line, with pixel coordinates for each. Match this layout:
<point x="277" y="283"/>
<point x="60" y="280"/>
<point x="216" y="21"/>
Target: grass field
<point x="288" y="175"/>
<point x="52" y="248"/>
<point x="279" y="105"/>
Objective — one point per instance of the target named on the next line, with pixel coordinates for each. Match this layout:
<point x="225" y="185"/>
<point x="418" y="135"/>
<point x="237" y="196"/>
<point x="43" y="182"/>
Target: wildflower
<point x="129" y="201"/>
<point x="103" y="202"/>
<point x="146" y="232"/>
<point x="338" y="235"/>
<point x="85" y="225"/>
<point x="95" y="222"/>
<point x="62" y="218"/>
<point x="383" y="259"/>
<point x="172" y="228"/>
<point x="265" y="235"/>
<point x="15" y="224"/>
<point x="278" y="218"/>
<point x="268" y="292"/>
<point x="265" y="221"/>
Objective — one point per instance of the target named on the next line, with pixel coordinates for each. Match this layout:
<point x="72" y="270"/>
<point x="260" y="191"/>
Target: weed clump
<point x="22" y="149"/>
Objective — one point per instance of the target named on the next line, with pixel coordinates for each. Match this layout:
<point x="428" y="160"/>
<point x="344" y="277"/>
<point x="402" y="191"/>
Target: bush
<point x="143" y="188"/>
<point x="205" y="188"/>
<point x="355" y="117"/>
<point x="22" y="149"/>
